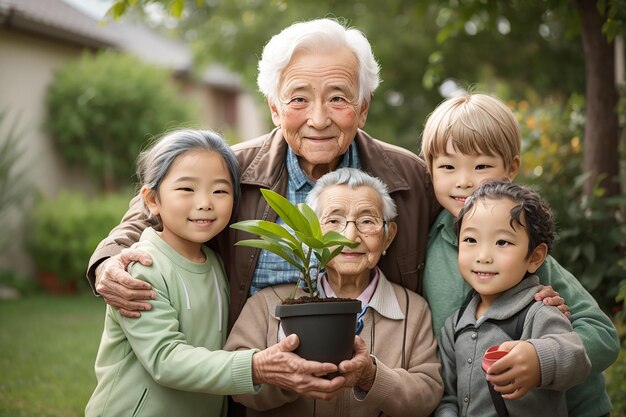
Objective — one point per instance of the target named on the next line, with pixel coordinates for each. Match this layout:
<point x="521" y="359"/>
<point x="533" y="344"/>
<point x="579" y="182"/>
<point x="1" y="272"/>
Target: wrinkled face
<point x="318" y="107"/>
<point x="492" y="251"/>
<point x="364" y="203"/>
<point x="195" y="200"/>
<point x="456" y="175"/>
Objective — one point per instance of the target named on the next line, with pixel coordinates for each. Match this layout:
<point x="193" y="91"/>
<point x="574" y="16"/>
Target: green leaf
<point x="313" y="220"/>
<point x="117" y="10"/>
<point x="295" y="249"/>
<point x="589" y="250"/>
<point x="287" y="211"/>
<point x="264" y="228"/>
<point x="332" y="238"/>
<point x="177" y="7"/>
<point x="311" y="242"/>
<point x="328" y="255"/>
<point x="262" y="244"/>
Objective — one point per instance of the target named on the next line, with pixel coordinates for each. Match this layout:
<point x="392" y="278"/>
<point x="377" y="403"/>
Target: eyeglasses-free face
<point x="368" y="225"/>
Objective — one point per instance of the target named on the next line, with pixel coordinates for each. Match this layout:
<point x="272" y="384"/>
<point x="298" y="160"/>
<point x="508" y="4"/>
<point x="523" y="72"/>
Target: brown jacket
<point x="262" y="162"/>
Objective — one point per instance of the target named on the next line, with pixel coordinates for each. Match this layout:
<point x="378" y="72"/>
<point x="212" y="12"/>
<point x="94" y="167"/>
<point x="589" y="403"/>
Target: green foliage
<point x="14" y="187"/>
<point x="616" y="376"/>
<point x="23" y="283"/>
<point x="591" y="230"/>
<point x="298" y="247"/>
<point x="103" y="107"/>
<point x="64" y="231"/>
<point x="420" y="45"/>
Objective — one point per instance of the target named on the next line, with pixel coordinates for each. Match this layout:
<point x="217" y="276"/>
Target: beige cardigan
<point x="414" y="391"/>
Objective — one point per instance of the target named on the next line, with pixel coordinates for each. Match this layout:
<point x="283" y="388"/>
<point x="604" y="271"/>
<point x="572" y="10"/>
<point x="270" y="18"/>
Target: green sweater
<point x="445" y="290"/>
<point x="169" y="362"/>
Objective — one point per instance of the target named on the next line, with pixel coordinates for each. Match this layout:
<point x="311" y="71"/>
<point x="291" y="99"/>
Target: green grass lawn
<point x="47" y="350"/>
<point x="48" y="346"/>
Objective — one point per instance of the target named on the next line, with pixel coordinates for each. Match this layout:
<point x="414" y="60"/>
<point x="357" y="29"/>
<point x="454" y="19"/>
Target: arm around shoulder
<point x="596" y="330"/>
<point x="561" y="353"/>
<point x="121" y="237"/>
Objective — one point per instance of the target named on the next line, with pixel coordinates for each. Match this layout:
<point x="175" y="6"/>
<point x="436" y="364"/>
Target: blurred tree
<point x="427" y="49"/>
<point x="549" y="25"/>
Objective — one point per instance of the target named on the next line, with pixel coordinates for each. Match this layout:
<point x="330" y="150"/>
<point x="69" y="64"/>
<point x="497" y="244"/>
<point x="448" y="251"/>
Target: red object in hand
<point x="492" y="355"/>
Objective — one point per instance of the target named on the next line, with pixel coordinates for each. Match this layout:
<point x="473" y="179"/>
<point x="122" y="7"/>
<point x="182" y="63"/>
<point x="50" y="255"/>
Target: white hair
<point x="353" y="178"/>
<point x="316" y="35"/>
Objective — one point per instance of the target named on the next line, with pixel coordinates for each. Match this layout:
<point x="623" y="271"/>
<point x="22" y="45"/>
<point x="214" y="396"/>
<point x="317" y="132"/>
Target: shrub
<point x="64" y="231"/>
<point x="103" y="107"/>
<point x="591" y="231"/>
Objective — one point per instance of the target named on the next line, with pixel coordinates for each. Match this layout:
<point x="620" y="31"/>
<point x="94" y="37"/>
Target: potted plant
<point x="325" y="326"/>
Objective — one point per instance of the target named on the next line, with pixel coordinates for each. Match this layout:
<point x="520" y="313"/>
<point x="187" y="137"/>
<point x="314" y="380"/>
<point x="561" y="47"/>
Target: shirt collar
<point x="298" y="178"/>
<point x="383" y="300"/>
<point x="364" y="297"/>
<point x="510" y="302"/>
<point x="444" y="226"/>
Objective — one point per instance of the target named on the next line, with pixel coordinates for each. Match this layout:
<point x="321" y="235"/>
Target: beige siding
<point x="27" y="64"/>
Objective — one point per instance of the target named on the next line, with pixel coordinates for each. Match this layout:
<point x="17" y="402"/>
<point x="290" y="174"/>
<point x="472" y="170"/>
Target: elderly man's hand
<point x="119" y="289"/>
<point x="360" y="370"/>
<point x="278" y="365"/>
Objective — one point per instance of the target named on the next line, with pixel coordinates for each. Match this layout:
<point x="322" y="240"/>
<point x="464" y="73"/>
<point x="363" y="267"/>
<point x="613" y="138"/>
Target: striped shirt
<point x="272" y="269"/>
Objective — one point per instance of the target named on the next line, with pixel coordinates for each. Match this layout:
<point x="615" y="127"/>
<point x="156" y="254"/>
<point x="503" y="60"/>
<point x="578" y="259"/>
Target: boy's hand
<point x="548" y="296"/>
<point x="516" y="373"/>
<point x="119" y="289"/>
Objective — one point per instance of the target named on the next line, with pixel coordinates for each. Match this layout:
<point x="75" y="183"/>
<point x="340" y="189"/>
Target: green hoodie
<point x="169" y="361"/>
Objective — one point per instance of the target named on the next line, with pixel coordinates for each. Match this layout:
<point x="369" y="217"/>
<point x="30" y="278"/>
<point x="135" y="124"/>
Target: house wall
<point x="236" y="115"/>
<point x="27" y="64"/>
<point x="26" y="71"/>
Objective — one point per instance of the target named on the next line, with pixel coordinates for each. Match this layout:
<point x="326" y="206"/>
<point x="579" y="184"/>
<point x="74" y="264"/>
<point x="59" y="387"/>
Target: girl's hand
<point x="516" y="373"/>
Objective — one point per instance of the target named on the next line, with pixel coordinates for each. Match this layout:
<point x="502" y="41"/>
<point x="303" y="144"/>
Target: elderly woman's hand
<point x="359" y="371"/>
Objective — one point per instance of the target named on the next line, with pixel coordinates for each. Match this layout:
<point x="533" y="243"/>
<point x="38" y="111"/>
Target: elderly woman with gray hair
<point x="394" y="370"/>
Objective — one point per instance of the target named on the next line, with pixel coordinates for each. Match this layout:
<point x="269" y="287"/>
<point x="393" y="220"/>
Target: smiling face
<point x="354" y="265"/>
<point x="493" y="252"/>
<point x="194" y="201"/>
<point x="456" y="175"/>
<point x="319" y="111"/>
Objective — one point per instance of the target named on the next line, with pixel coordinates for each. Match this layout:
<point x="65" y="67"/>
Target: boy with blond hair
<point x="467" y="140"/>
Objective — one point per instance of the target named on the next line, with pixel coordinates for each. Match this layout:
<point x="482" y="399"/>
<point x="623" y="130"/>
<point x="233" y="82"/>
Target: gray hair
<point x="353" y="178"/>
<point x="154" y="163"/>
<point x="536" y="213"/>
<point x="316" y="35"/>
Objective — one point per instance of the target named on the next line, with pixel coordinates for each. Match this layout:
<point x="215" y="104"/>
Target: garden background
<point x="558" y="65"/>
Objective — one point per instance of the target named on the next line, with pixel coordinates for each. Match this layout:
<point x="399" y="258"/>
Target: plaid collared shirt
<point x="272" y="269"/>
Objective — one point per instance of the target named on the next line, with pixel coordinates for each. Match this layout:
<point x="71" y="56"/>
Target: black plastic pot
<point x="326" y="329"/>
